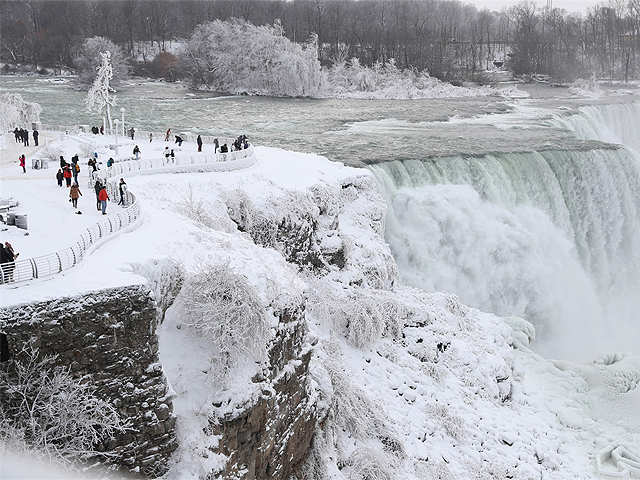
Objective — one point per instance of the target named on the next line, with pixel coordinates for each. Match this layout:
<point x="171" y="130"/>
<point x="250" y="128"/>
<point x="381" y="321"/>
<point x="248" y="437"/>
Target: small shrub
<point x="45" y="408"/>
<point x="221" y="305"/>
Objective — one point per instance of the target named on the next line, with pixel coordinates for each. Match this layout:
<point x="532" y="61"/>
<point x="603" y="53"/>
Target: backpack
<point x="77" y="167"/>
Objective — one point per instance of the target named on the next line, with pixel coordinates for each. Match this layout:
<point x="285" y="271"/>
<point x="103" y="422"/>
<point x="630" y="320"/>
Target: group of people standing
<point x="67" y="171"/>
<point x="22" y="136"/>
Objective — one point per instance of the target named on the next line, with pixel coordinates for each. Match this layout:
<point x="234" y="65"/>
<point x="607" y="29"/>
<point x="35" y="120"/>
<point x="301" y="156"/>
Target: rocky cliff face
<point x="109" y="337"/>
<point x="270" y="435"/>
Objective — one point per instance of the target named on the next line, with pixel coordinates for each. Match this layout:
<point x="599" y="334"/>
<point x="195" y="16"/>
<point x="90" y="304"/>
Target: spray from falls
<point x="553" y="237"/>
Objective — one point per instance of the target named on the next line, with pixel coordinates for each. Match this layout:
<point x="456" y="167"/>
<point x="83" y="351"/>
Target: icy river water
<point x="520" y="207"/>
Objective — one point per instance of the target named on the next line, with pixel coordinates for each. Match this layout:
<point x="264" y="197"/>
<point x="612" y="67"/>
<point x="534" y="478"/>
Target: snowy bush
<point x="363" y="315"/>
<point x="367" y="463"/>
<point x="88" y="59"/>
<point x="221" y="305"/>
<point x="43" y="407"/>
<point x="236" y="56"/>
<point x="386" y="80"/>
<point x="205" y="210"/>
<point x="15" y="112"/>
<point x="165" y="277"/>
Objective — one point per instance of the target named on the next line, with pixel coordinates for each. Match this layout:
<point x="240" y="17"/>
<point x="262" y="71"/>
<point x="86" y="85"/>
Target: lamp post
<point x="117" y="130"/>
<point x="122" y="112"/>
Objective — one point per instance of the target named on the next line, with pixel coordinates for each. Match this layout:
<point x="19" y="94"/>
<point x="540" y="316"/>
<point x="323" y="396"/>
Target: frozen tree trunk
<point x="99" y="97"/>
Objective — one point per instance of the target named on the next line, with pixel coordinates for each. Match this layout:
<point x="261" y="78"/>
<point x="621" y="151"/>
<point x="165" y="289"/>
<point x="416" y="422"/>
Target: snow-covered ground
<point x="415" y="385"/>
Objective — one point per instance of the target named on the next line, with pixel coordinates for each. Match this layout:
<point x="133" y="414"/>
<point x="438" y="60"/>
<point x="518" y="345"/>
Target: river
<point x="521" y="207"/>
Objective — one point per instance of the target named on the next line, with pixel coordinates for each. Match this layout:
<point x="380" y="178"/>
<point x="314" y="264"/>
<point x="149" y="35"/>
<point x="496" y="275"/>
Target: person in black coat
<point x="97" y="187"/>
<point x="7" y="256"/>
<point x="199" y="141"/>
<point x="35" y="137"/>
<point x="179" y="140"/>
<point x="16" y="133"/>
<point x="62" y="162"/>
<point x="25" y="137"/>
<point x="59" y="177"/>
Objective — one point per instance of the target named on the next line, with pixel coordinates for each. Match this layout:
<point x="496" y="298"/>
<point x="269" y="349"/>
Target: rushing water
<point x="519" y="210"/>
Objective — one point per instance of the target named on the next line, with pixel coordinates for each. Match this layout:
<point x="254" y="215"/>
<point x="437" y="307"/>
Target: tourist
<point x="74" y="193"/>
<point x="122" y="186"/>
<point x="173" y="157"/>
<point x="66" y="173"/>
<point x="59" y="177"/>
<point x="168" y="135"/>
<point x="136" y="152"/>
<point x="63" y="162"/>
<point x="179" y="140"/>
<point x="35" y="137"/>
<point x="224" y="148"/>
<point x="216" y="145"/>
<point x="199" y="141"/>
<point x="75" y="167"/>
<point x="8" y="256"/>
<point x="132" y="132"/>
<point x="103" y="196"/>
<point x="16" y="133"/>
<point x="101" y="129"/>
<point x="97" y="187"/>
<point x="150" y="137"/>
<point x="167" y="154"/>
<point x="110" y="162"/>
<point x="25" y="137"/>
<point x="23" y="160"/>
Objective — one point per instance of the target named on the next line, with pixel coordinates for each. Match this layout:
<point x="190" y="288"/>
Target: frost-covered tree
<point x="88" y="59"/>
<point x="44" y="408"/>
<point x="236" y="56"/>
<point x="14" y="111"/>
<point x="99" y="98"/>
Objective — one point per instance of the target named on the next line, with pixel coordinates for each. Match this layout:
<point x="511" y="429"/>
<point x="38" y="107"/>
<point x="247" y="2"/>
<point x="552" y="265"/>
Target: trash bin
<point x="21" y="221"/>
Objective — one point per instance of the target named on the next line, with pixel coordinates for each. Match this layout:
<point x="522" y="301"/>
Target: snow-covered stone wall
<point x="109" y="337"/>
<point x="270" y="435"/>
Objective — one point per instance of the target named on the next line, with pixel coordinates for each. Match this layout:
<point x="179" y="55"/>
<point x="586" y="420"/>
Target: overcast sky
<point x="569" y="5"/>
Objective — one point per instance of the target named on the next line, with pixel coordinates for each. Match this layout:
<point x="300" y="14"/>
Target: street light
<point x="117" y="130"/>
<point x="122" y="111"/>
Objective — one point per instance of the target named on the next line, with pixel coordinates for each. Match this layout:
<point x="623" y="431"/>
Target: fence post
<point x="34" y="268"/>
<point x="59" y="262"/>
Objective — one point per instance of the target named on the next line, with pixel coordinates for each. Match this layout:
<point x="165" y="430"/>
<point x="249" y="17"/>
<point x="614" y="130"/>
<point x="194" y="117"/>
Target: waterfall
<point x="553" y="237"/>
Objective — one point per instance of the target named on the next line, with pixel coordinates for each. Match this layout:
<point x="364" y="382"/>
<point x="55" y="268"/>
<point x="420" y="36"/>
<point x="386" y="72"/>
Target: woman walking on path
<point x="216" y="145"/>
<point x="168" y="135"/>
<point x="199" y="141"/>
<point x="23" y="160"/>
<point x="136" y="152"/>
<point x="103" y="196"/>
<point x="66" y="173"/>
<point x="150" y="137"/>
<point x="74" y="193"/>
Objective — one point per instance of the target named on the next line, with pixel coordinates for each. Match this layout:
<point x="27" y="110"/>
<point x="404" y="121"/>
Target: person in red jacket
<point x="103" y="196"/>
<point x="66" y="173"/>
<point x="23" y="161"/>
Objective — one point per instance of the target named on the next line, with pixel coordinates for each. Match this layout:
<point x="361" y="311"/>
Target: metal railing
<point x="56" y="262"/>
<point x="127" y="167"/>
<point x="53" y="263"/>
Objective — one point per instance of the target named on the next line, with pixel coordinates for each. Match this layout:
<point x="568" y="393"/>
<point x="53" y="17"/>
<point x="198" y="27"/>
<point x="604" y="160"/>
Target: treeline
<point x="450" y="39"/>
